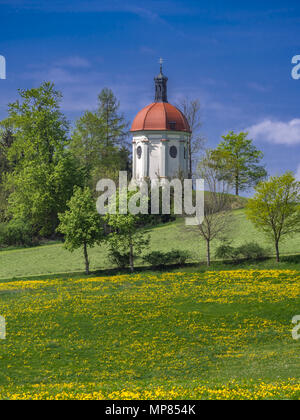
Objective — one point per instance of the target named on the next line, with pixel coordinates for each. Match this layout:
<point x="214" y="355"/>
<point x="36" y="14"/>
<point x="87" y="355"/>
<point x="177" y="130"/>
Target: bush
<point x="161" y="259"/>
<point x="252" y="251"/>
<point x="248" y="251"/>
<point x="16" y="233"/>
<point x="118" y="258"/>
<point x="226" y="252"/>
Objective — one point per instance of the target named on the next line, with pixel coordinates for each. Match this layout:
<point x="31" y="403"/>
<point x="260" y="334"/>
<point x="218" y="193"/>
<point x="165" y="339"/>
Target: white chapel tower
<point x="160" y="138"/>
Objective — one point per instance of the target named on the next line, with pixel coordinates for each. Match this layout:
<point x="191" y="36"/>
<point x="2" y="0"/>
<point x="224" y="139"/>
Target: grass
<point x="179" y="333"/>
<point x="53" y="259"/>
<point x="151" y="335"/>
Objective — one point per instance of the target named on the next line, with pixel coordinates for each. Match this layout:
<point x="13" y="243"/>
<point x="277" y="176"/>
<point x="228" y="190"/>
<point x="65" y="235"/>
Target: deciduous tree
<point x="239" y="161"/>
<point x="44" y="173"/>
<point x="275" y="208"/>
<point x="81" y="225"/>
<point x="191" y="108"/>
<point x="127" y="236"/>
<point x="216" y="203"/>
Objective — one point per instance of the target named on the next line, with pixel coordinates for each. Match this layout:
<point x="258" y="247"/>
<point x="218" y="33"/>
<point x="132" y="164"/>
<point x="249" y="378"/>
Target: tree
<point x="98" y="141"/>
<point x="44" y="173"/>
<point x="115" y="126"/>
<point x="41" y="130"/>
<point x="275" y="209"/>
<point x="81" y="225"/>
<point x="216" y="203"/>
<point x="6" y="141"/>
<point x="239" y="160"/>
<point x="127" y="236"/>
<point x="192" y="111"/>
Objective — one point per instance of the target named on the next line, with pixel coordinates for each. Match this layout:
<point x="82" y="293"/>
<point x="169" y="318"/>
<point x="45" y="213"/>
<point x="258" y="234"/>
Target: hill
<point x="53" y="258"/>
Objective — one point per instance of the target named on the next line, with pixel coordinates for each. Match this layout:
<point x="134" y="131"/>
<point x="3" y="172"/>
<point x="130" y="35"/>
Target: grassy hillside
<point x="51" y="259"/>
<point x="170" y="336"/>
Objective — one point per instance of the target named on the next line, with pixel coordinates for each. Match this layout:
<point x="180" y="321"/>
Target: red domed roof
<point x="160" y="116"/>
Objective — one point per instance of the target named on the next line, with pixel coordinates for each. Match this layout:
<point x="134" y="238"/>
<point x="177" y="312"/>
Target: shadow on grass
<point x="268" y="263"/>
<point x="292" y="259"/>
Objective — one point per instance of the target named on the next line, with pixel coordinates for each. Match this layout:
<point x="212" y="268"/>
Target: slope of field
<point x="52" y="259"/>
<point x="171" y="336"/>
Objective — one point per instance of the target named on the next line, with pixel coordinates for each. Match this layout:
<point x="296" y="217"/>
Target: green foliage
<point x="161" y="259"/>
<point x="252" y="251"/>
<point x="238" y="161"/>
<point x="126" y="235"/>
<point x="247" y="251"/>
<point x="118" y="257"/>
<point x="98" y="141"/>
<point x="40" y="127"/>
<point x="6" y="141"/>
<point x="275" y="208"/>
<point x="16" y="233"/>
<point x="40" y="191"/>
<point x="81" y="225"/>
<point x="114" y="124"/>
<point x="54" y="258"/>
<point x="43" y="174"/>
<point x="226" y="251"/>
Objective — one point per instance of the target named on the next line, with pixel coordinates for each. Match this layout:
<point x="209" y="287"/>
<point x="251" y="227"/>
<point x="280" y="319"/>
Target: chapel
<point x="160" y="137"/>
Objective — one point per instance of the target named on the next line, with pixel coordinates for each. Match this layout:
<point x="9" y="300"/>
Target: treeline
<point x="49" y="171"/>
<point x="42" y="159"/>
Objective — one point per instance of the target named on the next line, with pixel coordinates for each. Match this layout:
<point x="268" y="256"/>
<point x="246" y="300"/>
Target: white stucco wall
<point x="156" y="160"/>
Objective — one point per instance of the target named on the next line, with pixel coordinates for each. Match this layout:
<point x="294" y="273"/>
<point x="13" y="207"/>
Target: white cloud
<point x="258" y="87"/>
<point x="73" y="61"/>
<point x="277" y="132"/>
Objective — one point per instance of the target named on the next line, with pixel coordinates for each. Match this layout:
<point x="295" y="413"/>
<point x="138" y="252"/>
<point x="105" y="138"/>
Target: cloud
<point x="258" y="87"/>
<point x="277" y="132"/>
<point x="73" y="61"/>
<point x="53" y="74"/>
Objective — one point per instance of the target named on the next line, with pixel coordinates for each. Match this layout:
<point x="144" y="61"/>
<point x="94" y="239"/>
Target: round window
<point x="139" y="152"/>
<point x="173" y="152"/>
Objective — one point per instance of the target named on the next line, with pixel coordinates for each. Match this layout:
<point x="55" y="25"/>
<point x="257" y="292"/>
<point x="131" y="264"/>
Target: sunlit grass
<point x="172" y="335"/>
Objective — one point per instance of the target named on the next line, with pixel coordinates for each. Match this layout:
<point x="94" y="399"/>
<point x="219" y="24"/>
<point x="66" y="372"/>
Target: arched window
<point x="173" y="152"/>
<point x="139" y="152"/>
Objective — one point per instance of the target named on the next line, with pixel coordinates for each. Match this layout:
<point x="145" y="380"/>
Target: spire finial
<point x="161" y="61"/>
<point x="161" y="85"/>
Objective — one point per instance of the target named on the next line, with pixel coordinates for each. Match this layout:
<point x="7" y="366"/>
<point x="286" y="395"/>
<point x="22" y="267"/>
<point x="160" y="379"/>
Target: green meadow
<point x="216" y="335"/>
<point x="53" y="258"/>
<point x="180" y="333"/>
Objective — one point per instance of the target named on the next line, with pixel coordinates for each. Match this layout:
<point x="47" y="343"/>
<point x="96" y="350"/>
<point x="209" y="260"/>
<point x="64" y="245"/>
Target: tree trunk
<point x="208" y="253"/>
<point x="190" y="175"/>
<point x="237" y="192"/>
<point x="277" y="251"/>
<point x="131" y="258"/>
<point x="86" y="258"/>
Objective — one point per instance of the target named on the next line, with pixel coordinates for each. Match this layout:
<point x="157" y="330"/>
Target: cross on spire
<point x="161" y="61"/>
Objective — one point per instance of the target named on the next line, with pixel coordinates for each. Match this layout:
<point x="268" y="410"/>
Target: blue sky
<point x="234" y="56"/>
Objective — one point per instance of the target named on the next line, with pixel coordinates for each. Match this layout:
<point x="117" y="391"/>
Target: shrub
<point x="161" y="259"/>
<point x="226" y="252"/>
<point x="16" y="233"/>
<point x="118" y="258"/>
<point x="248" y="251"/>
<point x="178" y="257"/>
<point x="252" y="251"/>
